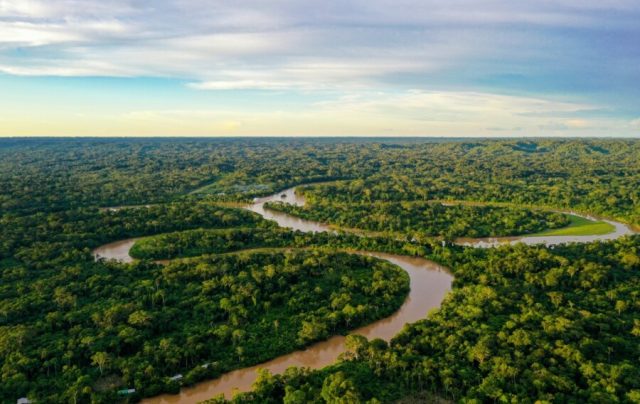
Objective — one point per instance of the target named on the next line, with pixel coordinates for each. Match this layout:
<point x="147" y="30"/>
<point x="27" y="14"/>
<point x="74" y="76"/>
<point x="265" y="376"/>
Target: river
<point x="429" y="284"/>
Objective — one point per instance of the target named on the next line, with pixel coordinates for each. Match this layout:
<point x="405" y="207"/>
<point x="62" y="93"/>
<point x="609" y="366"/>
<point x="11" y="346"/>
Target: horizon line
<point x="623" y="137"/>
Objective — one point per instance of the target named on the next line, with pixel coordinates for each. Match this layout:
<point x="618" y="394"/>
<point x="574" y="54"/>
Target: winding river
<point x="429" y="284"/>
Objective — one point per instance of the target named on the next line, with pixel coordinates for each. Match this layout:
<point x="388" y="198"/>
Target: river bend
<point x="429" y="284"/>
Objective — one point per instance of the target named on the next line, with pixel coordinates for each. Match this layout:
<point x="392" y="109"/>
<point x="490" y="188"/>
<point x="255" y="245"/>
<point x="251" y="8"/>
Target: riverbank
<point x="429" y="282"/>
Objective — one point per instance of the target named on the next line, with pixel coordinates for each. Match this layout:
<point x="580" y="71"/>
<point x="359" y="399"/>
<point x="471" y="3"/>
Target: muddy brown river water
<point x="429" y="284"/>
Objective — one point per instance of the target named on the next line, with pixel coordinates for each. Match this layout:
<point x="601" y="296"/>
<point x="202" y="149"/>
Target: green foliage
<point x="42" y="175"/>
<point x="597" y="176"/>
<point x="209" y="241"/>
<point x="424" y="219"/>
<point x="138" y="324"/>
<point x="192" y="243"/>
<point x="522" y="324"/>
<point x="44" y="236"/>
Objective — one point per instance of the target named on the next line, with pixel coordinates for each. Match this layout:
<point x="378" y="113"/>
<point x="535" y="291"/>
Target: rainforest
<point x="319" y="270"/>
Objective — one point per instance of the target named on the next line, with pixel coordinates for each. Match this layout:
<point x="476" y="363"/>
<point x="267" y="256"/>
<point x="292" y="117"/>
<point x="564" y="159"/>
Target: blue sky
<point x="374" y="67"/>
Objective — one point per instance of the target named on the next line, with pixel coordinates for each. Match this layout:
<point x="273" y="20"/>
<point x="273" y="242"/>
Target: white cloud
<point x="29" y="34"/>
<point x="60" y="9"/>
<point x="456" y="105"/>
<point x="461" y="57"/>
<point x="66" y="69"/>
<point x="312" y="74"/>
<point x="31" y="8"/>
<point x="354" y="41"/>
<point x="20" y="33"/>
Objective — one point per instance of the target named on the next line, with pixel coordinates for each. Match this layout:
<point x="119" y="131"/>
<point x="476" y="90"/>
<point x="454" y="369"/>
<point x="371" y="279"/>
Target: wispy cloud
<point x="523" y="64"/>
<point x="197" y="39"/>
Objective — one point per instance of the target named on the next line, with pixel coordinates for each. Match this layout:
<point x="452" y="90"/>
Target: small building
<point x="23" y="400"/>
<point x="126" y="392"/>
<point x="176" y="378"/>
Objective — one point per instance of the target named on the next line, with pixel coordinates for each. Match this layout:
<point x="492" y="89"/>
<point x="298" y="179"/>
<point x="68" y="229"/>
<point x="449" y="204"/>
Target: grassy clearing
<point x="580" y="226"/>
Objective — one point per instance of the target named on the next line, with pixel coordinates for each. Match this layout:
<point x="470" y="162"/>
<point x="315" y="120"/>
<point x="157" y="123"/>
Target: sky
<point x="308" y="68"/>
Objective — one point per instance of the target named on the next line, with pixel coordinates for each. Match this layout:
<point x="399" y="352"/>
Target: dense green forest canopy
<point x="198" y="242"/>
<point x="192" y="243"/>
<point x="424" y="219"/>
<point x="599" y="176"/>
<point x="521" y="324"/>
<point x="42" y="236"/>
<point x="87" y="329"/>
